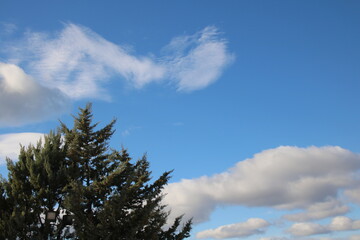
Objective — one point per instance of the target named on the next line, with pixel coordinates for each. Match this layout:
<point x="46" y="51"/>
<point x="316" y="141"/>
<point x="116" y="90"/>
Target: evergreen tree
<point x="35" y="186"/>
<point x="5" y="209"/>
<point x="76" y="174"/>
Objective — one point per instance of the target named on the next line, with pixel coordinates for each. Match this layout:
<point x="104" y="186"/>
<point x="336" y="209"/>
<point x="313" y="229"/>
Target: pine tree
<point x="103" y="191"/>
<point x="5" y="209"/>
<point x="35" y="186"/>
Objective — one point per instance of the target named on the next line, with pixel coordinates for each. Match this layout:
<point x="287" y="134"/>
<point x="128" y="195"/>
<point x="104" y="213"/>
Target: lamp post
<point x="50" y="216"/>
<point x="50" y="219"/>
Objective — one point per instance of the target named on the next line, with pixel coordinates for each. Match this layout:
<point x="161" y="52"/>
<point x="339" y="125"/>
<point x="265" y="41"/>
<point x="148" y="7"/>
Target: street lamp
<point x="51" y="216"/>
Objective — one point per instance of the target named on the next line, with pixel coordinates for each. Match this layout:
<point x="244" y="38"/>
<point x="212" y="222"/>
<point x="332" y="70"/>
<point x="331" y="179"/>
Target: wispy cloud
<point x="244" y="229"/>
<point x="23" y="100"/>
<point x="129" y="130"/>
<point x="8" y="28"/>
<point x="283" y="178"/>
<point x="10" y="144"/>
<point x="198" y="60"/>
<point x="78" y="61"/>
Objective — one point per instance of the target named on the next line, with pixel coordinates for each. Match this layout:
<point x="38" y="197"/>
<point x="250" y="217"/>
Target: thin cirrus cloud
<point x="10" y="144"/>
<point x="78" y="61"/>
<point x="8" y="28"/>
<point x="238" y="230"/>
<point x="288" y="178"/>
<point x="197" y="60"/>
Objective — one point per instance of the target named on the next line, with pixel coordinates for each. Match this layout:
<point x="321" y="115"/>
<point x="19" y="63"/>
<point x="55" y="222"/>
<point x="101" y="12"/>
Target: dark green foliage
<point x="35" y="185"/>
<point x="74" y="172"/>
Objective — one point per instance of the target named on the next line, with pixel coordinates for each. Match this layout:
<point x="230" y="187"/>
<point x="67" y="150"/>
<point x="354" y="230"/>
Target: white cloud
<point x="300" y="238"/>
<point x="251" y="227"/>
<point x="10" y="144"/>
<point x="320" y="210"/>
<point x="354" y="194"/>
<point x="284" y="177"/>
<point x="78" y="61"/>
<point x="23" y="100"/>
<point x="341" y="223"/>
<point x="199" y="59"/>
<point x="307" y="229"/>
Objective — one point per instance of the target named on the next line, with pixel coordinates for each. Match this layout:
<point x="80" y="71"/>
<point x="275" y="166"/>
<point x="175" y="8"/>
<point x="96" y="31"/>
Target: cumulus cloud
<point x="10" y="144"/>
<point x="300" y="238"/>
<point x="23" y="100"/>
<point x="343" y="223"/>
<point x="78" y="61"/>
<point x="244" y="229"/>
<point x="340" y="223"/>
<point x="320" y="210"/>
<point x="307" y="229"/>
<point x="285" y="178"/>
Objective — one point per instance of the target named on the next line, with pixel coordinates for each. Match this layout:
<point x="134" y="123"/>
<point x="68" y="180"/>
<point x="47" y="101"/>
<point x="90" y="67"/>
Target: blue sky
<point x="253" y="103"/>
